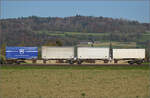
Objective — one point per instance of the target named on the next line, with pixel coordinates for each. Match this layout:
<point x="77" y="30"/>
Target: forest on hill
<point x="68" y="31"/>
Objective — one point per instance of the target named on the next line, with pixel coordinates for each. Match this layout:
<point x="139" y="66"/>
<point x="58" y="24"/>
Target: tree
<point x="147" y="50"/>
<point x="3" y="50"/>
<point x="59" y="43"/>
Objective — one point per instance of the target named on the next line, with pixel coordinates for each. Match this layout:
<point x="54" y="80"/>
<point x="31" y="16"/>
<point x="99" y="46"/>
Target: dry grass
<point x="73" y="83"/>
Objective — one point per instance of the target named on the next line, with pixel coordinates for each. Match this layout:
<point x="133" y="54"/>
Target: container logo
<point x="21" y="51"/>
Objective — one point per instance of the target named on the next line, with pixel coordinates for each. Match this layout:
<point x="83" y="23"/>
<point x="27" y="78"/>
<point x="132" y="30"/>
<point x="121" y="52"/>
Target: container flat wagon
<point x="91" y="54"/>
<point x="19" y="54"/>
<point x="130" y="55"/>
<point x="62" y="54"/>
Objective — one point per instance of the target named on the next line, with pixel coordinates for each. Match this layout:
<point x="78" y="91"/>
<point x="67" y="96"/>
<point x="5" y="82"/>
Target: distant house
<point x="85" y="42"/>
<point x="96" y="42"/>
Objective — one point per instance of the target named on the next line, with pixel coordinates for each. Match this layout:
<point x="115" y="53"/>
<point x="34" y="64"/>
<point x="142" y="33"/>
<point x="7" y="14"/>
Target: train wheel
<point x="115" y="61"/>
<point x="17" y="62"/>
<point x="139" y="62"/>
<point x="106" y="61"/>
<point x="71" y="62"/>
<point x="131" y="62"/>
<point x="79" y="62"/>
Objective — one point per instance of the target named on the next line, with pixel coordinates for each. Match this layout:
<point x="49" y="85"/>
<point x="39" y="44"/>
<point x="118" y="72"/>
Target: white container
<point x="128" y="53"/>
<point x="92" y="53"/>
<point x="57" y="52"/>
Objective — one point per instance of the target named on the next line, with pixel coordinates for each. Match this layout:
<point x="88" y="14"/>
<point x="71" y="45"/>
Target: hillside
<point x="37" y="31"/>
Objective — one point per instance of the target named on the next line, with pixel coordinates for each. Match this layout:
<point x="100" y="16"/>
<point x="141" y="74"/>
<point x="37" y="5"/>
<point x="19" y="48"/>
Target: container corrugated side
<point x="128" y="53"/>
<point x="93" y="53"/>
<point x="57" y="52"/>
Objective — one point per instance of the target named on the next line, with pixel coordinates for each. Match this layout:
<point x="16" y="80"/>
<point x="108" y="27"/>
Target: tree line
<point x="25" y="30"/>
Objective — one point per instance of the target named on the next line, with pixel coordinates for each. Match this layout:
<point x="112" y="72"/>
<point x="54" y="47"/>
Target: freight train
<point x="73" y="55"/>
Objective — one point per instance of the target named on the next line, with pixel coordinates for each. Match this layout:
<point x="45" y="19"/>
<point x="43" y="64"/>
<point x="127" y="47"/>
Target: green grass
<point x="142" y="67"/>
<point x="64" y="34"/>
<point x="117" y="44"/>
<point x="144" y="37"/>
<point x="93" y="34"/>
<point x="97" y="37"/>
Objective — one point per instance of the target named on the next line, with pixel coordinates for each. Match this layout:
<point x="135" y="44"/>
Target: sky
<point x="127" y="9"/>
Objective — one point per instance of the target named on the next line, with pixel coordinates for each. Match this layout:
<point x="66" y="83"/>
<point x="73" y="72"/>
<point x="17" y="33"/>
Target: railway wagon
<point x="91" y="54"/>
<point x="19" y="54"/>
<point x="130" y="55"/>
<point x="61" y="54"/>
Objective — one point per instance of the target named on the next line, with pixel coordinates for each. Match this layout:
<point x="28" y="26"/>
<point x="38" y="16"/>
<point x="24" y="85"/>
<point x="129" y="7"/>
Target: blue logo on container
<point x="21" y="51"/>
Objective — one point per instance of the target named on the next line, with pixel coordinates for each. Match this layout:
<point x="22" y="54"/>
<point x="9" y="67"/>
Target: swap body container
<point x="128" y="53"/>
<point x="57" y="52"/>
<point x="21" y="52"/>
<point x="92" y="53"/>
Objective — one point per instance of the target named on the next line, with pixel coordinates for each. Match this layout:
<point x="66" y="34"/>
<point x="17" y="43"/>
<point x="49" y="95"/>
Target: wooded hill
<point x="38" y="31"/>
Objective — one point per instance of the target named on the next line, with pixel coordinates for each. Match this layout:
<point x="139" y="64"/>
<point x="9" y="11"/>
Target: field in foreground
<point x="96" y="81"/>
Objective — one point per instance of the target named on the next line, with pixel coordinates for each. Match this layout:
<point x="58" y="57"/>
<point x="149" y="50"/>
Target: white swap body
<point x="131" y="55"/>
<point x="92" y="53"/>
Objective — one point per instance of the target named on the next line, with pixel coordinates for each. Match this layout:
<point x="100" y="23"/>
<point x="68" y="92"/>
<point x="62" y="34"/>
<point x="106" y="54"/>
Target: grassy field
<point x="74" y="81"/>
<point x="114" y="44"/>
<point x="145" y="36"/>
<point x="117" y="44"/>
<point x="97" y="37"/>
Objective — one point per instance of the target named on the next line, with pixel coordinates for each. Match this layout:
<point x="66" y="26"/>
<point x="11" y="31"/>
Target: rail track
<point x="73" y="65"/>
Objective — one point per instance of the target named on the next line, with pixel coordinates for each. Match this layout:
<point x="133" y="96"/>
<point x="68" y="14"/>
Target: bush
<point x="2" y="59"/>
